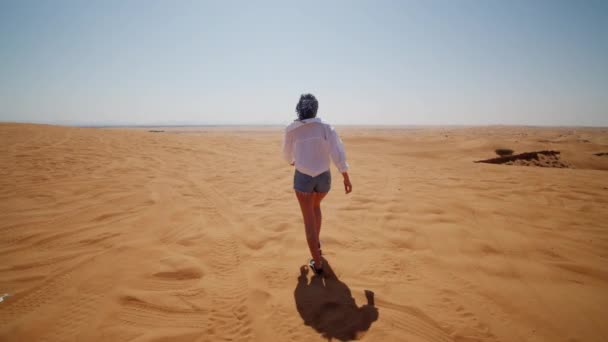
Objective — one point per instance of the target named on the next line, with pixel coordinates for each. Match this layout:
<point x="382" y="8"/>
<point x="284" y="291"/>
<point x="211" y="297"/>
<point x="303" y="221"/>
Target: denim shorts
<point x="305" y="183"/>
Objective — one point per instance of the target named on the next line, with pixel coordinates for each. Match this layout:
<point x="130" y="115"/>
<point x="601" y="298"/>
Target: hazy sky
<point x="246" y="62"/>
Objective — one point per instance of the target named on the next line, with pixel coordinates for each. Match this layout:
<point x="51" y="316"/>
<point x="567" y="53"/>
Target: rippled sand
<point x="195" y="235"/>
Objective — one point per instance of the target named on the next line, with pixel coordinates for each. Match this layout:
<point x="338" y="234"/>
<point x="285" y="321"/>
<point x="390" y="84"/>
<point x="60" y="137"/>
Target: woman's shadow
<point x="326" y="304"/>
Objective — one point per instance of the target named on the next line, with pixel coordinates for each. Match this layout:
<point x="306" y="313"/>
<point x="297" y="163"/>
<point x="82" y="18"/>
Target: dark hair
<point x="307" y="106"/>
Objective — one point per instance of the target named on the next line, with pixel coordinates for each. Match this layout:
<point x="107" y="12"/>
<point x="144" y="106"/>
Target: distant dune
<point x="130" y="235"/>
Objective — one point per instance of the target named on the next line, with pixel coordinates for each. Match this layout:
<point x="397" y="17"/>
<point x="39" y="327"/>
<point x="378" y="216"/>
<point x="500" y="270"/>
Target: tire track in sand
<point x="82" y="311"/>
<point x="37" y="297"/>
<point x="229" y="318"/>
<point x="412" y="321"/>
<point x="225" y="315"/>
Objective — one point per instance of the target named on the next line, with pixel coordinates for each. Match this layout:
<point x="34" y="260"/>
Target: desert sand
<point x="195" y="234"/>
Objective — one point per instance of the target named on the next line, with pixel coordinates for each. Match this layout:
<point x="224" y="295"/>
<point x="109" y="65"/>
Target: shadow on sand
<point x="326" y="304"/>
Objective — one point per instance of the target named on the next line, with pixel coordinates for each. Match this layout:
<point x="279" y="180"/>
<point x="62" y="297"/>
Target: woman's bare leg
<point x="318" y="197"/>
<point x="306" y="200"/>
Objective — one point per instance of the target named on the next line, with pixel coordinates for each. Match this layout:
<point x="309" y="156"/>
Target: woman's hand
<point x="348" y="187"/>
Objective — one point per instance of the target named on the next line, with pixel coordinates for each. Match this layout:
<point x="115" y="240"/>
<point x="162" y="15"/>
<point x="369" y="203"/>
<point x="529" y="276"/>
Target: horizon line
<point x="77" y="125"/>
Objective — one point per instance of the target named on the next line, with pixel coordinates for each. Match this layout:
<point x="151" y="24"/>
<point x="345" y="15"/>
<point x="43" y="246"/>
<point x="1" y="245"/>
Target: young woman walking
<point x="309" y="144"/>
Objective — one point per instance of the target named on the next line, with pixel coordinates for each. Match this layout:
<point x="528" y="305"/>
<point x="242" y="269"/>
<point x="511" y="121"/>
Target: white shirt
<point x="310" y="143"/>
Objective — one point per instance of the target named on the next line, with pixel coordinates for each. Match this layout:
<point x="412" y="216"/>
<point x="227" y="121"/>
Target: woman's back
<point x="310" y="144"/>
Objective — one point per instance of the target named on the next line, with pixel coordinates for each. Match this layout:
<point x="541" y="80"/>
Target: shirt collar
<point x="300" y="123"/>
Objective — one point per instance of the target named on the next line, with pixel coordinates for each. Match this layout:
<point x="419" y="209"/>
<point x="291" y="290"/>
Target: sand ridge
<point x="195" y="235"/>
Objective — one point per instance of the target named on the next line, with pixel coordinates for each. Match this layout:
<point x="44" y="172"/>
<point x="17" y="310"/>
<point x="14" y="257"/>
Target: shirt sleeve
<point x="336" y="151"/>
<point x="288" y="147"/>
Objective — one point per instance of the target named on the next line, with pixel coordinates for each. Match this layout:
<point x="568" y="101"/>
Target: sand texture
<point x="195" y="235"/>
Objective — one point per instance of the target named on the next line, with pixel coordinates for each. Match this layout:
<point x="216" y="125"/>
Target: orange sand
<point x="195" y="235"/>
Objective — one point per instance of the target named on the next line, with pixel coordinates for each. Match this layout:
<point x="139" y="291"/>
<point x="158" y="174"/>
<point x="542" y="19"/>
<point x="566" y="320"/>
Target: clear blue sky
<point x="246" y="62"/>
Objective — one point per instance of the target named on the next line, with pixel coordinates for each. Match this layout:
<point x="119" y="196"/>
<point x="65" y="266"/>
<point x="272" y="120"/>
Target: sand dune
<point x="195" y="235"/>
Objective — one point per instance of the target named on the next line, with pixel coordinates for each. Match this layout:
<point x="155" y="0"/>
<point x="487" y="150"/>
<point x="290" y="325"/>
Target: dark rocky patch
<point x="536" y="158"/>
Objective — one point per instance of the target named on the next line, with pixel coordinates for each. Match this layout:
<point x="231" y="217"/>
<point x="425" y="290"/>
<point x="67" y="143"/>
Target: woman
<point x="309" y="144"/>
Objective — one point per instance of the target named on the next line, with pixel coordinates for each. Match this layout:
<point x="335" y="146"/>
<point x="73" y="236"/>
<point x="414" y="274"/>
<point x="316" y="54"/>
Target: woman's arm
<point x="338" y="156"/>
<point x="336" y="151"/>
<point x="288" y="148"/>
